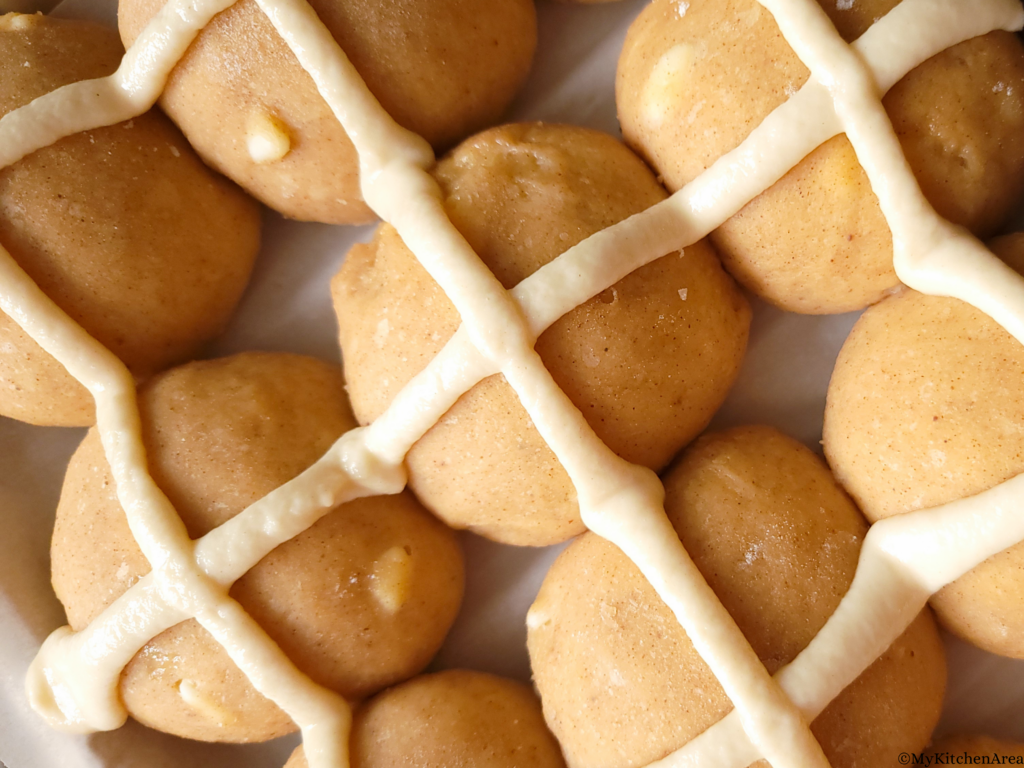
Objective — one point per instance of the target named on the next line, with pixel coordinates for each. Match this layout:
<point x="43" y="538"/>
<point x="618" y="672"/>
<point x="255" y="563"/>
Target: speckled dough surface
<point x="123" y="227"/>
<point x="452" y="719"/>
<point x="648" y="361"/>
<point x="926" y="405"/>
<point x="442" y="68"/>
<point x="765" y="522"/>
<point x="778" y="542"/>
<point x="359" y="601"/>
<point x="693" y="83"/>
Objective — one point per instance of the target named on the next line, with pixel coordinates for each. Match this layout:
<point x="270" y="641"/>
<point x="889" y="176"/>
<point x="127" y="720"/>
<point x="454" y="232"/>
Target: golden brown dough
<point x="778" y="541"/>
<point x="359" y="601"/>
<point x="442" y="68"/>
<point x="123" y="227"/>
<point x="648" y="361"/>
<point x="975" y="746"/>
<point x="925" y="407"/>
<point x="452" y="719"/>
<point x="691" y="86"/>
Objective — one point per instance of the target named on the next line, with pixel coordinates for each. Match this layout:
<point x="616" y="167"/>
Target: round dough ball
<point x="778" y="542"/>
<point x="123" y="227"/>
<point x="648" y="361"/>
<point x="925" y="407"/>
<point x="441" y="68"/>
<point x="692" y="86"/>
<point x="452" y="719"/>
<point x="975" y="746"/>
<point x="361" y="600"/>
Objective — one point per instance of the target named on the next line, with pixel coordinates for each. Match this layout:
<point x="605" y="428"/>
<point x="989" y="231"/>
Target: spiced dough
<point x="441" y="68"/>
<point x="123" y="227"/>
<point x="647" y="361"/>
<point x="695" y="78"/>
<point x="359" y="601"/>
<point x="778" y="541"/>
<point x="926" y="406"/>
<point x="452" y="719"/>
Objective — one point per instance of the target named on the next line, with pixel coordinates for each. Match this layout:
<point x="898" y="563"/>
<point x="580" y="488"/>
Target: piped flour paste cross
<point x="73" y="681"/>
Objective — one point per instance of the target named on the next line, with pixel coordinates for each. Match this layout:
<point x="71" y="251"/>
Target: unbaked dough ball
<point x="926" y="406"/>
<point x="359" y="601"/>
<point x="647" y="361"/>
<point x="976" y="746"/>
<point x="452" y="719"/>
<point x="442" y="68"/>
<point x="696" y="78"/>
<point x="123" y="227"/>
<point x="778" y="541"/>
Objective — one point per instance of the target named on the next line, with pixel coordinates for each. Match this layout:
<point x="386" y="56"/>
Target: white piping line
<point x="610" y="490"/>
<point x="497" y="348"/>
<point x="132" y="89"/>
